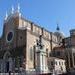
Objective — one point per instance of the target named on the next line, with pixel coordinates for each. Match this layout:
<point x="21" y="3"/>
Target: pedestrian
<point x="9" y="72"/>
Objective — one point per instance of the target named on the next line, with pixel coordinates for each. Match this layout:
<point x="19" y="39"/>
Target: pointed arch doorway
<point x="7" y="61"/>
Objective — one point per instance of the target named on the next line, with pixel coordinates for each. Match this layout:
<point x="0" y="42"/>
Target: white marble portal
<point x="6" y="64"/>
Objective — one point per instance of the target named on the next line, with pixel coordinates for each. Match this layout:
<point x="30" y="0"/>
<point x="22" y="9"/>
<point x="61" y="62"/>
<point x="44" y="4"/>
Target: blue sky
<point x="46" y="13"/>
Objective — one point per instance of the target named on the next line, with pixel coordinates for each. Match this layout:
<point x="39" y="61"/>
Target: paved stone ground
<point x="9" y="74"/>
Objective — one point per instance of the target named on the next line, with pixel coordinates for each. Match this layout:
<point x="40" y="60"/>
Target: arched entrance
<point x="7" y="62"/>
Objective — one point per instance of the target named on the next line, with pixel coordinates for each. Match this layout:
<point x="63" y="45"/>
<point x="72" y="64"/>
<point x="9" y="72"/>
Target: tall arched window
<point x="47" y="52"/>
<point x="34" y="48"/>
<point x="31" y="54"/>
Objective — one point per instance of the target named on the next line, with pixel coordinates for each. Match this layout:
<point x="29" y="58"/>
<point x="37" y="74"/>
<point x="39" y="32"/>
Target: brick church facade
<point x="18" y="41"/>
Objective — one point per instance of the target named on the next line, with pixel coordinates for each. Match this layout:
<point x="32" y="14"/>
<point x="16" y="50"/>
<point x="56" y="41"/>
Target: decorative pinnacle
<point x="6" y="15"/>
<point x="12" y="10"/>
<point x="57" y="27"/>
<point x="18" y="8"/>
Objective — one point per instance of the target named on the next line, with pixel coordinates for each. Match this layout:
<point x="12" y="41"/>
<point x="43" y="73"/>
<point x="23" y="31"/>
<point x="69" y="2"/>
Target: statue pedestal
<point x="41" y="61"/>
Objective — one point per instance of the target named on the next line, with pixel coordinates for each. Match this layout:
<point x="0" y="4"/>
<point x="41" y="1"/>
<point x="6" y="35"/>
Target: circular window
<point x="10" y="36"/>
